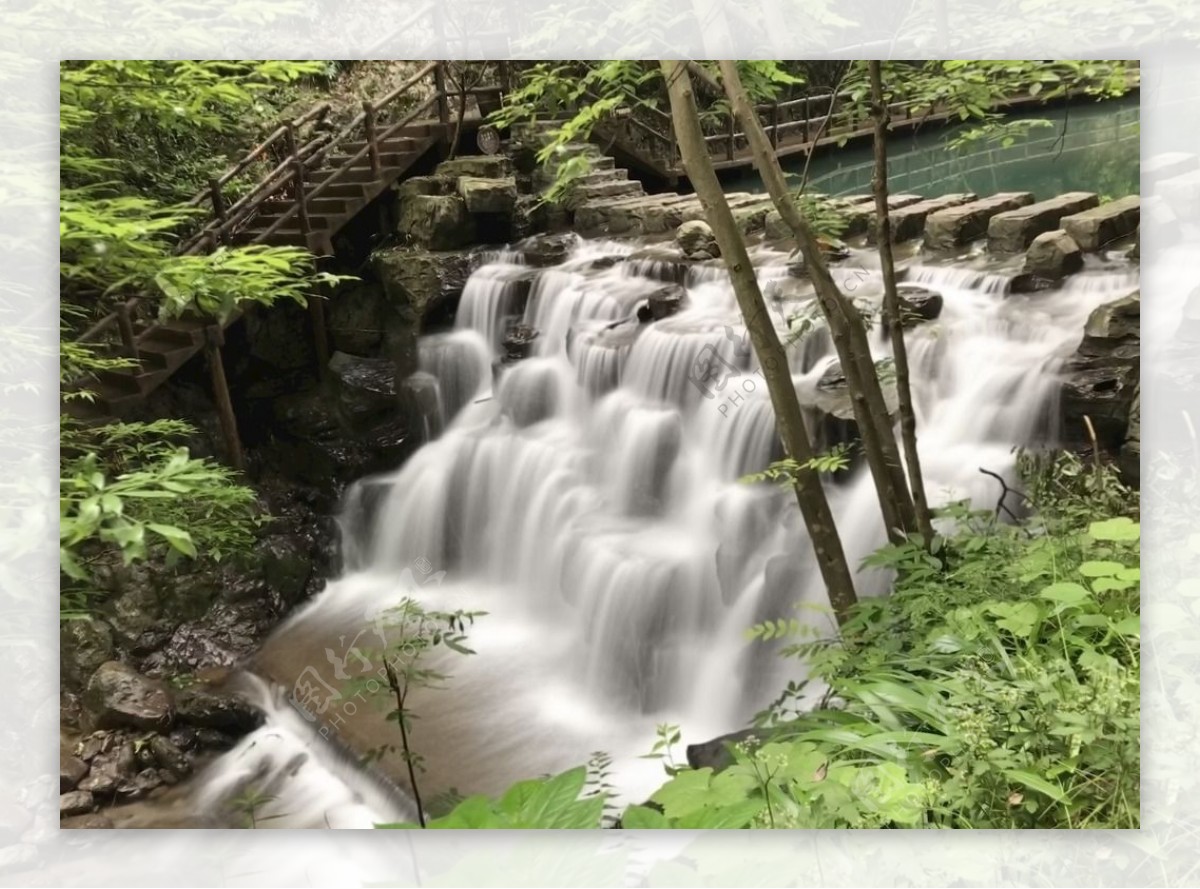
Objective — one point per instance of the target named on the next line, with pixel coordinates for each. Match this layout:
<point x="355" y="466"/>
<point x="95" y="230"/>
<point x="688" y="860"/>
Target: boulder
<point x="697" y="241"/>
<point x="488" y="195"/>
<point x="365" y="387"/>
<point x="71" y="770"/>
<point x="1013" y="230"/>
<point x="860" y="217"/>
<point x="484" y="166"/>
<point x="210" y="709"/>
<point x="908" y="222"/>
<point x="85" y="645"/>
<point x="1053" y="255"/>
<point x="833" y="408"/>
<point x="1101" y="380"/>
<point x="918" y="304"/>
<point x="953" y="227"/>
<point x="111" y="770"/>
<point x="542" y="251"/>
<point x="355" y="318"/>
<point x="77" y="802"/>
<point x="117" y="695"/>
<point x="1098" y="227"/>
<point x="665" y="301"/>
<point x="416" y="282"/>
<point x="518" y="342"/>
<point x="436" y="222"/>
<point x="170" y="757"/>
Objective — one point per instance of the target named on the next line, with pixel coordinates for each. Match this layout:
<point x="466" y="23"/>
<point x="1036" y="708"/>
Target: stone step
<point x="908" y="222"/>
<point x="587" y="193"/>
<point x="1014" y="230"/>
<point x="1097" y="228"/>
<point x="956" y="226"/>
<point x="861" y="215"/>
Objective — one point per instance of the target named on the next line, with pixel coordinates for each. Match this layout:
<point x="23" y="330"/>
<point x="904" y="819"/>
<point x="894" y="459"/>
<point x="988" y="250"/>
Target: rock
<point x="212" y="739"/>
<point x="436" y="222"/>
<point x="170" y="757"/>
<point x="1012" y="231"/>
<point x="77" y="802"/>
<point x="1130" y="458"/>
<point x="87" y="822"/>
<point x="697" y="241"/>
<point x="183" y="737"/>
<point x="1098" y="227"/>
<point x="366" y="388"/>
<point x="1053" y="255"/>
<point x="110" y="770"/>
<point x="488" y="195"/>
<point x="354" y="318"/>
<point x="484" y="166"/>
<point x="286" y="567"/>
<point x="85" y="645"/>
<point x="209" y="709"/>
<point x="1101" y="379"/>
<point x="956" y="226"/>
<point x="140" y="784"/>
<point x="834" y="408"/>
<point x="228" y="632"/>
<point x="909" y="222"/>
<point x="71" y="770"/>
<point x="860" y="217"/>
<point x="416" y="282"/>
<point x="665" y="301"/>
<point x="518" y="342"/>
<point x="117" y="695"/>
<point x="1027" y="283"/>
<point x="542" y="251"/>
<point x="917" y="304"/>
<point x="715" y="754"/>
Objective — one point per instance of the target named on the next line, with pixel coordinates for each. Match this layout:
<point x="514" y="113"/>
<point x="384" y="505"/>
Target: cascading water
<point x="590" y="505"/>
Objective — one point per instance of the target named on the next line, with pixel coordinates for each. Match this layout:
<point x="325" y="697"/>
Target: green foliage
<point x="126" y="489"/>
<point x="541" y="803"/>
<point x="789" y="472"/>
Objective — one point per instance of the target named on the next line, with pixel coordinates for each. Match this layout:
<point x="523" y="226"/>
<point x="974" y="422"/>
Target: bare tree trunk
<point x="845" y="325"/>
<point x="810" y="496"/>
<point x="891" y="308"/>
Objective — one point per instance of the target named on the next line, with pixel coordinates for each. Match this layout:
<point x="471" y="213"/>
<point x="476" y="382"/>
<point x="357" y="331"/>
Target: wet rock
<point x="1053" y="255"/>
<point x="85" y="645"/>
<point x="1029" y="283"/>
<point x="542" y="251"/>
<point x="697" y="241"/>
<point x="212" y="739"/>
<point x="183" y="737"/>
<point x="1098" y="227"/>
<point x="665" y="301"/>
<point x="117" y="695"/>
<point x="909" y="222"/>
<point x="366" y="388"/>
<point x="518" y="342"/>
<point x="211" y="709"/>
<point x="485" y="166"/>
<point x="170" y="757"/>
<point x="109" y="770"/>
<point x="859" y="218"/>
<point x="71" y="770"/>
<point x="1101" y="379"/>
<point x="715" y="754"/>
<point x="228" y="632"/>
<point x="488" y="195"/>
<point x="77" y="802"/>
<point x="87" y="822"/>
<point x="286" y="567"/>
<point x="436" y="222"/>
<point x="834" y="408"/>
<point x="354" y="318"/>
<point x="917" y="304"/>
<point x="953" y="227"/>
<point x="1014" y="230"/>
<point x="140" y="785"/>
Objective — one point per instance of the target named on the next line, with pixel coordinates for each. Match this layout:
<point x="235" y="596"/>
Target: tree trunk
<point x="810" y="496"/>
<point x="891" y="308"/>
<point x="845" y="326"/>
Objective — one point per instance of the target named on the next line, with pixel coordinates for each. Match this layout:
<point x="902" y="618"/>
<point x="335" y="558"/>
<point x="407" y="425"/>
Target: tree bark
<point x="891" y="308"/>
<point x="818" y="518"/>
<point x="845" y="326"/>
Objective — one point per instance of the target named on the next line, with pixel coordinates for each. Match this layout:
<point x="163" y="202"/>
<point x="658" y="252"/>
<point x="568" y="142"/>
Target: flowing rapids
<point x="588" y="499"/>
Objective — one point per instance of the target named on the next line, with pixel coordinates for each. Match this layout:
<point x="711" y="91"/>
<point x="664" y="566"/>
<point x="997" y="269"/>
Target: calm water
<point x="1099" y="153"/>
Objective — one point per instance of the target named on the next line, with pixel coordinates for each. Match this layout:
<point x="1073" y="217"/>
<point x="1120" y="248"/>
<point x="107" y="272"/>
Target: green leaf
<point x="1121" y="529"/>
<point x="644" y="818"/>
<point x="177" y="537"/>
<point x="1100" y="569"/>
<point x="1065" y="592"/>
<point x="1033" y="782"/>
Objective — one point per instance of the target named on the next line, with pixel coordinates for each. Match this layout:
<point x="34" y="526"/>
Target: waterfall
<point x="593" y="509"/>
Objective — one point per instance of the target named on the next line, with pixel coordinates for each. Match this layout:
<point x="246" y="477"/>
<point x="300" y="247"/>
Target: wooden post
<point x="125" y="324"/>
<point x="372" y="143"/>
<point x="218" y="202"/>
<point x="214" y="337"/>
<point x="806" y="114"/>
<point x="775" y="125"/>
<point x="505" y="78"/>
<point x="320" y="333"/>
<point x="298" y="178"/>
<point x="439" y="82"/>
<point x="729" y="136"/>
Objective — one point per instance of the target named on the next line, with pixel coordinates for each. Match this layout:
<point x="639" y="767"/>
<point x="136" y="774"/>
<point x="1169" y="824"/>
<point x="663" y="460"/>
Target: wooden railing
<point x="299" y="147"/>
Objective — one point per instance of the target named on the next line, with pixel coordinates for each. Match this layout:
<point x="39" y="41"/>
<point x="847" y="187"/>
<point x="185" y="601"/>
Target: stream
<point x="587" y="498"/>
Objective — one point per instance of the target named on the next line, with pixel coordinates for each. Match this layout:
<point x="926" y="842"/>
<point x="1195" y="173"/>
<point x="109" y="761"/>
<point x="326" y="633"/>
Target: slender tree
<point x="810" y="496"/>
<point x="845" y="325"/>
<point x="891" y="307"/>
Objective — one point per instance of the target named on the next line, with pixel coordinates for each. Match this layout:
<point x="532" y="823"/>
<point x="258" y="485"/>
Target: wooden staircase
<point x="320" y="183"/>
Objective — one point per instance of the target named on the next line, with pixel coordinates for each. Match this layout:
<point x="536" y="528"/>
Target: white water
<point x="591" y="506"/>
